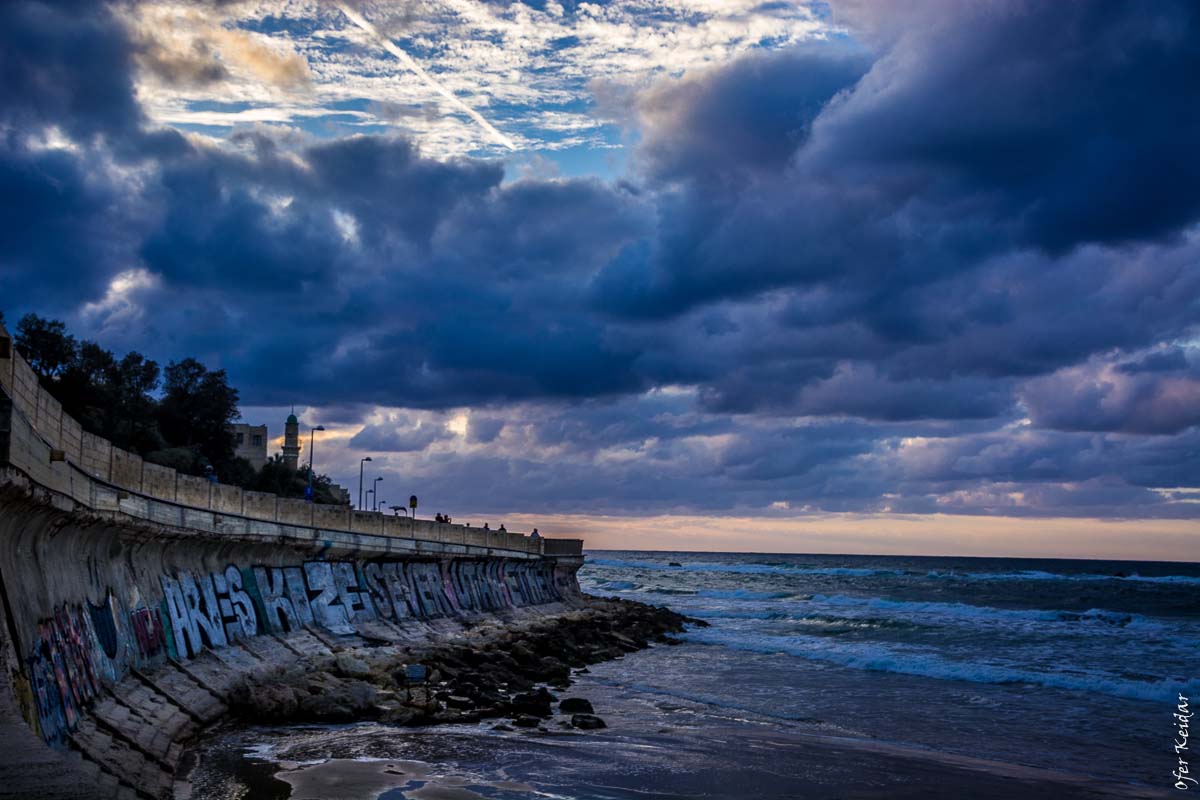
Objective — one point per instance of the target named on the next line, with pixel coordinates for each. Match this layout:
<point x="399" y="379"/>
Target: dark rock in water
<point x="552" y="669"/>
<point x="674" y="564"/>
<point x="587" y="722"/>
<point x="575" y="705"/>
<point x="455" y="701"/>
<point x="526" y="721"/>
<point x="534" y="703"/>
<point x="502" y="727"/>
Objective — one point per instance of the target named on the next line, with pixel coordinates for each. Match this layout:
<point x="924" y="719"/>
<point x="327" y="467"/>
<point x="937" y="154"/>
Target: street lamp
<point x="374" y="487"/>
<point x="312" y="434"/>
<point x="379" y="502"/>
<point x="360" y="479"/>
<point x="370" y="492"/>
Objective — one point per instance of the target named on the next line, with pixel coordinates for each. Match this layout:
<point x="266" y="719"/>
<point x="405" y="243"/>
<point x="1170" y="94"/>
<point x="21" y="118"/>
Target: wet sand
<point x="655" y="748"/>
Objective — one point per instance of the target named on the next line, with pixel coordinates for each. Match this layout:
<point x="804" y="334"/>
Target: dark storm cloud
<point x="1101" y="396"/>
<point x="910" y="244"/>
<point x="66" y="63"/>
<point x="974" y="133"/>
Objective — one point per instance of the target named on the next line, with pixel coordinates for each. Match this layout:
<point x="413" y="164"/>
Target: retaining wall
<point x="112" y="568"/>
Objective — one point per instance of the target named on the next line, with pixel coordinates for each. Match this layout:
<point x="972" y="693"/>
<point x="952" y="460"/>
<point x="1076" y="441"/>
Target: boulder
<point x="350" y="666"/>
<point x="575" y="705"/>
<point x="526" y="721"/>
<point x="587" y="722"/>
<point x="536" y="703"/>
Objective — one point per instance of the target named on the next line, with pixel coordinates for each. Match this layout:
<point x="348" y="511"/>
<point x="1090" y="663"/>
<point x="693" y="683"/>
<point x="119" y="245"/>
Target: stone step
<point x="131" y="766"/>
<point x="183" y="691"/>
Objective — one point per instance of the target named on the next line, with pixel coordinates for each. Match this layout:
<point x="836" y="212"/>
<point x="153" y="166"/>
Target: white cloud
<point x="527" y="71"/>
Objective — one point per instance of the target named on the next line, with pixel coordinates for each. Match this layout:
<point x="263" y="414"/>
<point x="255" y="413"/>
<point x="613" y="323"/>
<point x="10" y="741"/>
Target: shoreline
<point x="655" y="748"/>
<point x="491" y="668"/>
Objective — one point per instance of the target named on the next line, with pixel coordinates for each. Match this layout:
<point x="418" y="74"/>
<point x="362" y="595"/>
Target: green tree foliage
<point x="186" y="428"/>
<point x="278" y="478"/>
<point x="197" y="407"/>
<point x="46" y="345"/>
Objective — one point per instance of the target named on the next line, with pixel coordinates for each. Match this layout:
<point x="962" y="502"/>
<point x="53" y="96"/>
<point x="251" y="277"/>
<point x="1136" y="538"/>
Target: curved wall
<point x="91" y="601"/>
<point x="113" y="572"/>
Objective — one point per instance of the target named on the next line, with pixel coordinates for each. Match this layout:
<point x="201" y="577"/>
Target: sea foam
<point x="883" y="659"/>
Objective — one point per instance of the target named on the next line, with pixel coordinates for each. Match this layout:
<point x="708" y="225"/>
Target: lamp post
<point x="374" y="487"/>
<point x="370" y="492"/>
<point x="379" y="503"/>
<point x="312" y="436"/>
<point x="361" y="461"/>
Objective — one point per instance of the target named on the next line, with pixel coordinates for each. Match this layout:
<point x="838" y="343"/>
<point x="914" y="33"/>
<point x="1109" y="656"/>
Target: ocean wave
<point x="963" y="610"/>
<point x="1041" y="575"/>
<point x="742" y="569"/>
<point x="882" y="659"/>
<point x="617" y="586"/>
<point x="825" y="623"/>
<point x="746" y="594"/>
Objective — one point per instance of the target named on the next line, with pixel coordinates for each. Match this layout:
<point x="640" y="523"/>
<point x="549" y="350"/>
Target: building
<point x="291" y="442"/>
<point x="342" y="494"/>
<point x="250" y="443"/>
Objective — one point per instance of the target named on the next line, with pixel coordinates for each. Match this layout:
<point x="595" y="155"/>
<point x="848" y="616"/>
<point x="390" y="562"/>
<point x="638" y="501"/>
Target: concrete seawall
<point x="134" y="599"/>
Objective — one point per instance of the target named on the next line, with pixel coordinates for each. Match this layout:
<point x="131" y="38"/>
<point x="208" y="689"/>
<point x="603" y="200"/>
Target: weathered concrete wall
<point x="226" y="499"/>
<point x="158" y="481"/>
<point x="92" y="599"/>
<point x="293" y="512"/>
<point x="126" y="469"/>
<point x="258" y="505"/>
<point x="193" y="491"/>
<point x="332" y="517"/>
<point x="47" y="429"/>
<point x="113" y="569"/>
<point x="96" y="459"/>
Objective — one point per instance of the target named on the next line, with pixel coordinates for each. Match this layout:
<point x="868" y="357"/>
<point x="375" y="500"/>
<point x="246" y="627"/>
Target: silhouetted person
<point x="502" y="528"/>
<point x="535" y="534"/>
<point x="485" y="527"/>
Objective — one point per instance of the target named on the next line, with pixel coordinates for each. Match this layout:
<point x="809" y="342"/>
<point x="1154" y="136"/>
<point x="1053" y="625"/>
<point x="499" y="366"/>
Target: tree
<point x="84" y="390"/>
<point x="278" y="478"/>
<point x="46" y="345"/>
<point x="196" y="410"/>
<point x="132" y="380"/>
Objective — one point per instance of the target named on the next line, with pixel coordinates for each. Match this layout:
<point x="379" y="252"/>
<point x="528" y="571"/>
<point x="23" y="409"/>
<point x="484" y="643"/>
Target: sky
<point x="913" y="277"/>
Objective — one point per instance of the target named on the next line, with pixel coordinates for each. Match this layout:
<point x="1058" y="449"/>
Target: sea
<point x="816" y="676"/>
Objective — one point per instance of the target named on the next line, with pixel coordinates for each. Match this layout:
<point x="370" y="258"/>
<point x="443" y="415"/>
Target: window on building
<point x="241" y="439"/>
<point x="258" y="440"/>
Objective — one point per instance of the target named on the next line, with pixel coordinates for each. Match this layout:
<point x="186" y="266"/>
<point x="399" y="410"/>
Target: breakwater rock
<point x="484" y="671"/>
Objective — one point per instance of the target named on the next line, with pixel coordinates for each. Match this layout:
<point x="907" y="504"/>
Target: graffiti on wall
<point x="209" y="612"/>
<point x="148" y="633"/>
<point x="81" y="647"/>
<point x="217" y="609"/>
<point x="64" y="673"/>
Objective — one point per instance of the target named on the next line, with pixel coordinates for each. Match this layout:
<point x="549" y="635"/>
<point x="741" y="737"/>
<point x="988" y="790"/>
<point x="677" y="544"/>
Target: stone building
<point x="291" y="442"/>
<point x="250" y="443"/>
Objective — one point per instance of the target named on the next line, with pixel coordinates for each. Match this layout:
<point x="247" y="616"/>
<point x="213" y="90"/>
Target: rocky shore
<point x="487" y="670"/>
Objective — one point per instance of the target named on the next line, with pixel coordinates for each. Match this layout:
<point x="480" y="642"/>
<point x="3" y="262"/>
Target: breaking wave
<point x="883" y="659"/>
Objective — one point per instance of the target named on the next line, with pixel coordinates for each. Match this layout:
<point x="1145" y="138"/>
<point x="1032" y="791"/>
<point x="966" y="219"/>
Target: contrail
<point x="411" y="63"/>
